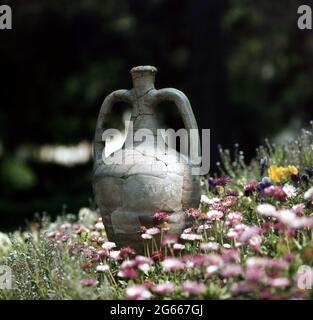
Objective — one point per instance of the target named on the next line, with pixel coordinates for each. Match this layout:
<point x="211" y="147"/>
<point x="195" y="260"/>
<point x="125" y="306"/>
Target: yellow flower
<point x="278" y="174"/>
<point x="292" y="170"/>
<point x="275" y="173"/>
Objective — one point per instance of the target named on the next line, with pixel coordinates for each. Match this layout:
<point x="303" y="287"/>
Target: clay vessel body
<point x="148" y="180"/>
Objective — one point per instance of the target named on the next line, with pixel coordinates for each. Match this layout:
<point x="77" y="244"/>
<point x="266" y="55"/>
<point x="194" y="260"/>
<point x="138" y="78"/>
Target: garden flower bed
<point x="251" y="238"/>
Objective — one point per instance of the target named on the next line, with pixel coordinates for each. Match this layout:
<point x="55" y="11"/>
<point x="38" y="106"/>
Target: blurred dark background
<point x="245" y="66"/>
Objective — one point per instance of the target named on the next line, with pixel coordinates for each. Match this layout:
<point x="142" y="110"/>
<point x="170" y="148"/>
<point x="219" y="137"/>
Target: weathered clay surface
<point x="128" y="195"/>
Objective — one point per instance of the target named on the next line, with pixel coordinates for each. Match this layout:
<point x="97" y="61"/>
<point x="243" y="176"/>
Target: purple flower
<point x="127" y="268"/>
<point x="194" y="213"/>
<point x="58" y="235"/>
<point x="249" y="233"/>
<point x="266" y="210"/>
<point x="146" y="236"/>
<point x="214" y="246"/>
<point x="128" y="264"/>
<point x="126" y="251"/>
<point x="205" y="200"/>
<point x="178" y="246"/>
<point x="172" y="264"/>
<point x="264" y="262"/>
<point x="99" y="226"/>
<point x="254" y="274"/>
<point x="103" y="253"/>
<point x="153" y="231"/>
<point x="219" y="181"/>
<point x="265" y="294"/>
<point x="219" y="207"/>
<point x="232" y="193"/>
<point x="298" y="209"/>
<point x="241" y="287"/>
<point x="102" y="268"/>
<point x="193" y="260"/>
<point x="231" y="270"/>
<point x="278" y="282"/>
<point x="236" y="231"/>
<point x="127" y="273"/>
<point x="156" y="255"/>
<point x="138" y="292"/>
<point x="109" y="245"/>
<point x="115" y="255"/>
<point x="211" y="270"/>
<point x="88" y="252"/>
<point x="230" y="255"/>
<point x="169" y="240"/>
<point x="163" y="288"/>
<point x="255" y="242"/>
<point x="203" y="227"/>
<point x="192" y="287"/>
<point x="161" y="216"/>
<point x="229" y="201"/>
<point x="288" y="217"/>
<point x="250" y="188"/>
<point x="143" y="260"/>
<point x="266" y="182"/>
<point x="214" y="215"/>
<point x="191" y="236"/>
<point x="276" y="192"/>
<point x="95" y="258"/>
<point x="233" y="218"/>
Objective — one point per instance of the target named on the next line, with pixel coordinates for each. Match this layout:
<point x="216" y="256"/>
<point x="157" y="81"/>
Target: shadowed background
<point x="244" y="65"/>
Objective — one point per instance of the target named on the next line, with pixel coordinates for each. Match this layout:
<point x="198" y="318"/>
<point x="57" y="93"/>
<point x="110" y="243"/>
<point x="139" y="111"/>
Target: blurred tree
<point x="269" y="69"/>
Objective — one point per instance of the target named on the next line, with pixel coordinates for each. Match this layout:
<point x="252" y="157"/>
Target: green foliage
<point x="44" y="270"/>
<point x="17" y="174"/>
<point x="297" y="151"/>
